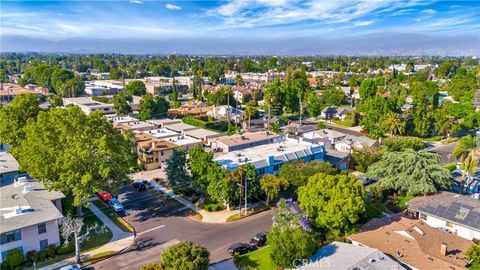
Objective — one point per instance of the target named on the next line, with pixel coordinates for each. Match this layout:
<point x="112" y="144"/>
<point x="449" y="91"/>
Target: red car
<point x="104" y="196"/>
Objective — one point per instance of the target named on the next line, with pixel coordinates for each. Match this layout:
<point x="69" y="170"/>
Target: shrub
<point x="14" y="258"/>
<point x="3" y="266"/>
<point x="51" y="251"/>
<point x="150" y="266"/>
<point x="322" y="125"/>
<point x="42" y="255"/>
<point x="402" y="143"/>
<point x="61" y="250"/>
<point x="32" y="255"/>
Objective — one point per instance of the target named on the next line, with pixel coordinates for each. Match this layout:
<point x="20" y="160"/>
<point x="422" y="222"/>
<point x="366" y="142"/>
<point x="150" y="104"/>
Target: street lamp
<point x="246" y="184"/>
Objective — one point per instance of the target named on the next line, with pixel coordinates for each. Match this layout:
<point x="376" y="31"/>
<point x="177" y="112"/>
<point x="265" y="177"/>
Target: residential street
<point x="445" y="151"/>
<point x="159" y="224"/>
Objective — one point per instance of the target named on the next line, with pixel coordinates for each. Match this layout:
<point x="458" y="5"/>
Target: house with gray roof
<point x="29" y="215"/>
<point x="9" y="167"/>
<point x="452" y="212"/>
<point x="343" y="256"/>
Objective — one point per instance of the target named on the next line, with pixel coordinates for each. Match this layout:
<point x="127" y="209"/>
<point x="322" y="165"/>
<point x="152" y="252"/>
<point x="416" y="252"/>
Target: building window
<point x="423" y="217"/>
<point x="5" y="253"/>
<point x="42" y="228"/>
<point x="450" y="224"/>
<point x="161" y="153"/>
<point x="44" y="244"/>
<point x="11" y="236"/>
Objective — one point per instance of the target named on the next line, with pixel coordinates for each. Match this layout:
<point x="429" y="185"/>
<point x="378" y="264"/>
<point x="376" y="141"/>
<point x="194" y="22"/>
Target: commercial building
<point x="184" y="141"/>
<point x="269" y="157"/>
<point x="240" y="141"/>
<point x="452" y="212"/>
<point x="88" y="105"/>
<point x="343" y="256"/>
<point x="103" y="87"/>
<point x="29" y="216"/>
<point x="413" y="242"/>
<point x="136" y="126"/>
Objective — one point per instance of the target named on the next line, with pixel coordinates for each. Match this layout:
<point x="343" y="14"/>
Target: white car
<point x="71" y="267"/>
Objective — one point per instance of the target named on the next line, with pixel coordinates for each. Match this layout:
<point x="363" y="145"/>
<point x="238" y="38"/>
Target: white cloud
<point x="429" y="11"/>
<point x="172" y="6"/>
<point x="136" y="2"/>
<point x="363" y="23"/>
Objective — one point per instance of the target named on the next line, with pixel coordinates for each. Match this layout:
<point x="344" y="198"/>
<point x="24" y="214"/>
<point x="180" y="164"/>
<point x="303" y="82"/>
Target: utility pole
<point x="246" y="181"/>
<point x="301" y="112"/>
<point x="240" y="199"/>
<point x="228" y="109"/>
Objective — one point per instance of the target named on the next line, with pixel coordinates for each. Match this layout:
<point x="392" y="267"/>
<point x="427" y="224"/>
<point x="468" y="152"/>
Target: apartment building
<point x="29" y="215"/>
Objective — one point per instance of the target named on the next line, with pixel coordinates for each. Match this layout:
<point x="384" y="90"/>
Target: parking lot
<point x="160" y="222"/>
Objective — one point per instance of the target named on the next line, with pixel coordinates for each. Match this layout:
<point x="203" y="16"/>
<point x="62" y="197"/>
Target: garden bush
<point x="14" y="258"/>
<point x="51" y="251"/>
<point x="42" y="255"/>
<point x="32" y="255"/>
<point x="65" y="249"/>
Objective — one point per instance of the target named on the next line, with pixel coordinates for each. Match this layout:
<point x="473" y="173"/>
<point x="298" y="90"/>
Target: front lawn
<point x="124" y="226"/>
<point x="258" y="259"/>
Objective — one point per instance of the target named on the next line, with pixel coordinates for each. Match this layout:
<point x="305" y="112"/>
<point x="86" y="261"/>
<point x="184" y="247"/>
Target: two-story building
<point x="29" y="215"/>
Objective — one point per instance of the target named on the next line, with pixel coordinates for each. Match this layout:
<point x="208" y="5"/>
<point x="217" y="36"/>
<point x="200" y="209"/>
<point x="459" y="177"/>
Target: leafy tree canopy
<point x="185" y="256"/>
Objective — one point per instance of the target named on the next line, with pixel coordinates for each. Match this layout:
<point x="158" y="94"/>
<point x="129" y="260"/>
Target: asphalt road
<point x="159" y="224"/>
<point x="445" y="151"/>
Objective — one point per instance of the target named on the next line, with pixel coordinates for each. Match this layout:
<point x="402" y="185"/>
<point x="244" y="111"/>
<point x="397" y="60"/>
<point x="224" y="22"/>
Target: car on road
<point x="239" y="249"/>
<point x="139" y="186"/>
<point x="104" y="196"/>
<point x="71" y="267"/>
<point x="259" y="239"/>
<point x="115" y="205"/>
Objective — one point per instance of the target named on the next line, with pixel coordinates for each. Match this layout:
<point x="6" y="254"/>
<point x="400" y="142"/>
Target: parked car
<point x="104" y="196"/>
<point x="365" y="180"/>
<point x="239" y="249"/>
<point x="115" y="205"/>
<point x="259" y="239"/>
<point x="139" y="186"/>
<point x="71" y="267"/>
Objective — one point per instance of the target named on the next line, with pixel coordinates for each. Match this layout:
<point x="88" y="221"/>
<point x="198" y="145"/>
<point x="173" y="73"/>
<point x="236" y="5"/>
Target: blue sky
<point x="262" y="19"/>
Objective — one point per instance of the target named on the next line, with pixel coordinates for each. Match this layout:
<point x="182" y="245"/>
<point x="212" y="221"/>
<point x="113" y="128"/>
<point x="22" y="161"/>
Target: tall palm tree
<point x="395" y="124"/>
<point x="467" y="152"/>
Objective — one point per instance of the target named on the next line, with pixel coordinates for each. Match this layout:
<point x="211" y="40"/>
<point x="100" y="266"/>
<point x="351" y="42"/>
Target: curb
<point x="242" y="217"/>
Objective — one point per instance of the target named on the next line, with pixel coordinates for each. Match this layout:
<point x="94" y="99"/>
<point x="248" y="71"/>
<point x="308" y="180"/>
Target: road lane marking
<point x="152" y="229"/>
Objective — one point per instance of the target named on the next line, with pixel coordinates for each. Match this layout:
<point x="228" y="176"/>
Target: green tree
<point x="288" y="239"/>
<point x="199" y="163"/>
<point x="185" y="256"/>
<point x="365" y="156"/>
<point x="151" y="106"/>
<point x="402" y="143"/>
<point x="473" y="254"/>
<point x="71" y="88"/>
<point x="274" y="97"/>
<point x="297" y="172"/>
<point x="333" y="96"/>
<point x="271" y="185"/>
<point x="313" y="105"/>
<point x="136" y="88"/>
<point x="75" y="153"/>
<point x="176" y="169"/>
<point x="14" y="117"/>
<point x="368" y="88"/>
<point x="121" y="104"/>
<point x="410" y="172"/>
<point x="333" y="202"/>
<point x="466" y="151"/>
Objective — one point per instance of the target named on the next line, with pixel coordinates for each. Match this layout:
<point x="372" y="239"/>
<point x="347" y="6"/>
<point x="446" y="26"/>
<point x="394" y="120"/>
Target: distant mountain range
<point x="393" y="44"/>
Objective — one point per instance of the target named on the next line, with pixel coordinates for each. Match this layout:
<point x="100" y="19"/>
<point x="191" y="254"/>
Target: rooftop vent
<point x="27" y="189"/>
<point x="418" y="230"/>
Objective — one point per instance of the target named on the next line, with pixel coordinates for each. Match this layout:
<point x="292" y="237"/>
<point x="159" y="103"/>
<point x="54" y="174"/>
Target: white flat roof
<point x="121" y="119"/>
<point x="161" y="133"/>
<point x="180" y="127"/>
<point x="164" y="121"/>
<point x="183" y="140"/>
<point x="286" y="150"/>
<point x="8" y="163"/>
<point x="201" y="133"/>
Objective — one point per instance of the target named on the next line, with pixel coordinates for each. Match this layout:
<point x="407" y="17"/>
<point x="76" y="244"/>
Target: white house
<point x="449" y="211"/>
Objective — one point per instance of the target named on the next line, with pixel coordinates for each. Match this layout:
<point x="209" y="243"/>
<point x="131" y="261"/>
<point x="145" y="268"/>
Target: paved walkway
<point x="120" y="241"/>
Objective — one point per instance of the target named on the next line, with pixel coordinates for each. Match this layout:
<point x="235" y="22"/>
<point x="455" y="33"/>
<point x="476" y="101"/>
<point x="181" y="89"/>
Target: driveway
<point x="160" y="223"/>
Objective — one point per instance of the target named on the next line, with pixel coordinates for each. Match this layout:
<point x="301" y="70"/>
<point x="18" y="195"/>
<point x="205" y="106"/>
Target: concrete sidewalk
<point x="120" y="241"/>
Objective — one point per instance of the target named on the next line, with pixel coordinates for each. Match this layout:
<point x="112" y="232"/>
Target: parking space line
<point x="152" y="229"/>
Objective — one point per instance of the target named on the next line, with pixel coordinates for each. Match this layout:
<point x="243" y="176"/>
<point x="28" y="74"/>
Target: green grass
<point x="122" y="224"/>
<point x="250" y="212"/>
<point x="258" y="259"/>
